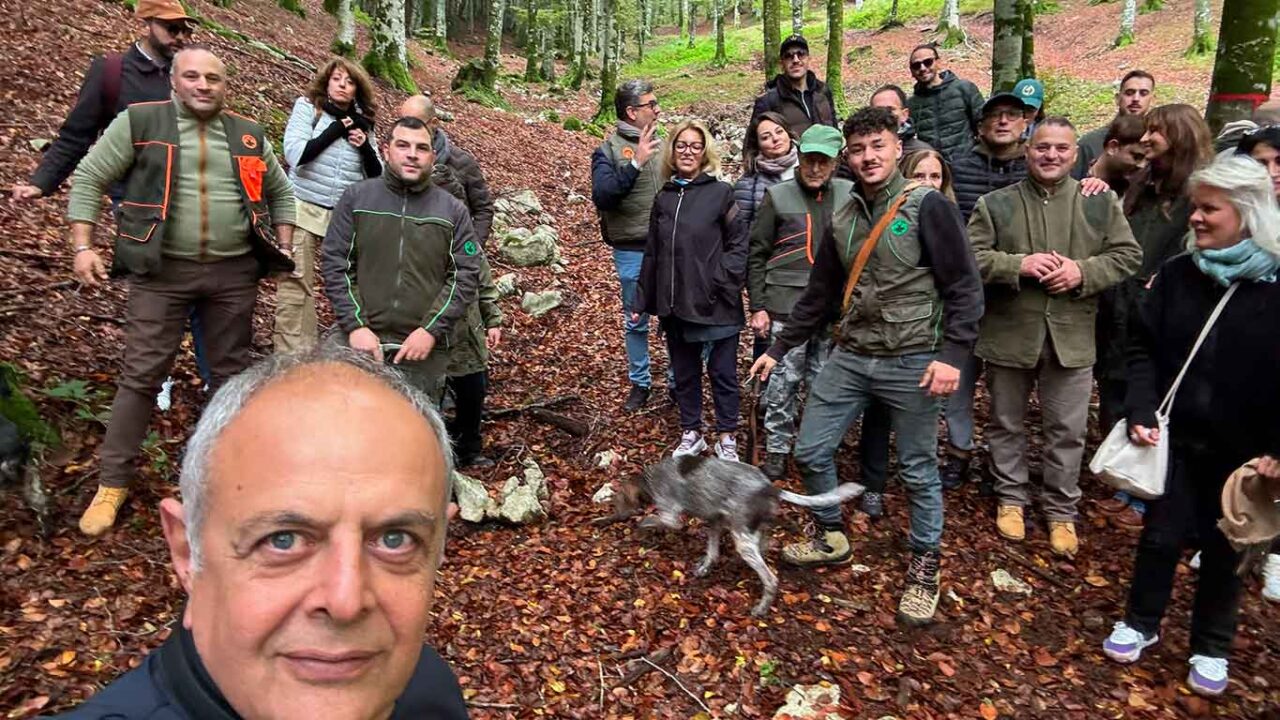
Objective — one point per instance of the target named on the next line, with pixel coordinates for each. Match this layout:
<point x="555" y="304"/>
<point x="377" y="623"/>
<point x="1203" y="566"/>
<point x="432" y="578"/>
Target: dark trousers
<point x="1110" y="403"/>
<point x="722" y="368"/>
<point x="222" y="294"/>
<point x="468" y="402"/>
<point x="873" y="446"/>
<point x="1192" y="503"/>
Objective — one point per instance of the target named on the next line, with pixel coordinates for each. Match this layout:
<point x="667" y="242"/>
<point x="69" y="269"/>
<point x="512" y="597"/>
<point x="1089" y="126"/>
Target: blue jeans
<point x="627" y="263"/>
<point x="958" y="408"/>
<point x="845" y="387"/>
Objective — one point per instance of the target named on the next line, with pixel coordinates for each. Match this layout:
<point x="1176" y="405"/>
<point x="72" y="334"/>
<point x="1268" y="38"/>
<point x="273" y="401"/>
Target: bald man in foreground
<point x="311" y="526"/>
<point x="207" y="211"/>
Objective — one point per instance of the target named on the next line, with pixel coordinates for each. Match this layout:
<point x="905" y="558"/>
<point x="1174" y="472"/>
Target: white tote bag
<point x="1140" y="470"/>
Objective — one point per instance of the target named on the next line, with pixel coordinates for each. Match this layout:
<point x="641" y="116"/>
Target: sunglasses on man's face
<point x="795" y="55"/>
<point x="175" y="27"/>
<point x="921" y="64"/>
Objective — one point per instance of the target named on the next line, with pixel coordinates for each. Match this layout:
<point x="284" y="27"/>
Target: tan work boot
<point x="101" y="513"/>
<point x="827" y="547"/>
<point x="1010" y="523"/>
<point x="1062" y="538"/>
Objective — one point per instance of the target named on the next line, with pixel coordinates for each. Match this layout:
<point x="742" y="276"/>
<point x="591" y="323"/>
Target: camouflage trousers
<point x="782" y="393"/>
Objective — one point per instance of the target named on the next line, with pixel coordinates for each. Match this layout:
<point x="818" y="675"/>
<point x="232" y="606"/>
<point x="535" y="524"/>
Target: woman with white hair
<point x="1224" y="413"/>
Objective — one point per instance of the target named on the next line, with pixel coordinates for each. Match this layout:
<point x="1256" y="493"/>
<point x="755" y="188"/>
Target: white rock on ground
<point x="811" y="702"/>
<point x="604" y="495"/>
<point x="522" y="499"/>
<point x="474" y="503"/>
<point x="1005" y="582"/>
<point x="538" y="304"/>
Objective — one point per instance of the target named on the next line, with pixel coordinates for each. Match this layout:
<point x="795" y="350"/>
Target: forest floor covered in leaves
<point x="541" y="621"/>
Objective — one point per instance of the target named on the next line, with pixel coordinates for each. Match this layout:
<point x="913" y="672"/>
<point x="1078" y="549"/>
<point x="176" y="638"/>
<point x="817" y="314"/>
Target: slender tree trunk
<point x="717" y="12"/>
<point x="609" y="65"/>
<point x="533" y="62"/>
<point x="797" y="17"/>
<point x="835" y="53"/>
<point x="581" y="45"/>
<point x="1202" y="30"/>
<point x="949" y="24"/>
<point x="737" y="13"/>
<point x="493" y="43"/>
<point x="893" y="21"/>
<point x="548" y="53"/>
<point x="772" y="40"/>
<point x="683" y="6"/>
<point x="1243" y="67"/>
<point x="692" y="23"/>
<point x="1028" y="14"/>
<point x="642" y="35"/>
<point x="345" y="43"/>
<point x="1006" y="47"/>
<point x="386" y="57"/>
<point x="1128" y="15"/>
<point x="440" y="24"/>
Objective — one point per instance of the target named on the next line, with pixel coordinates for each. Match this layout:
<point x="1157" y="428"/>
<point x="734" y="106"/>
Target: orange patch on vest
<point x="628" y="153"/>
<point x="249" y="141"/>
<point x="252" y="168"/>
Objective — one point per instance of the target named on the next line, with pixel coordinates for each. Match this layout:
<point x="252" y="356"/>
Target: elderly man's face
<point x="319" y="549"/>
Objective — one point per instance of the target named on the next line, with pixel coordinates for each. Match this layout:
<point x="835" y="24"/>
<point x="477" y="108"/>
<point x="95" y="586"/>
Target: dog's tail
<point x="842" y="494"/>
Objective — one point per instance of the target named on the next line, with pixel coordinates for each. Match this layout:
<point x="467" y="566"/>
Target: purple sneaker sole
<point x="1127" y="652"/>
<point x="1202" y="685"/>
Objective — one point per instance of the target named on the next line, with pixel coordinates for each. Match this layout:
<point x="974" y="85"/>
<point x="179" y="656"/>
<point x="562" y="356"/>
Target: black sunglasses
<point x="175" y="27"/>
<point x="918" y="64"/>
<point x="795" y="54"/>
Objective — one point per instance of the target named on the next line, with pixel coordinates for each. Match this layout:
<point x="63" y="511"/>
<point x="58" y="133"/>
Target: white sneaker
<point x="164" y="398"/>
<point x="1125" y="645"/>
<point x="691" y="443"/>
<point x="1271" y="578"/>
<point x="1208" y="675"/>
<point x="1194" y="563"/>
<point x="727" y="448"/>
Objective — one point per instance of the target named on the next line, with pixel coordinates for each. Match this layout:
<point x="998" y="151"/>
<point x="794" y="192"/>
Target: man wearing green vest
<point x="624" y="181"/>
<point x="895" y="275"/>
<point x="1045" y="252"/>
<point x="194" y="230"/>
<point x="792" y="219"/>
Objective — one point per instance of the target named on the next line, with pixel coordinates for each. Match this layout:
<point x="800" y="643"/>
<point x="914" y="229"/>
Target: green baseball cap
<point x="1031" y="92"/>
<point x="821" y="139"/>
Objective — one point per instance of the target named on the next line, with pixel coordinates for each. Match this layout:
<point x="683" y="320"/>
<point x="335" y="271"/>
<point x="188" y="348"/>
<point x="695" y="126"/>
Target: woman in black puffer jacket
<point x="695" y="266"/>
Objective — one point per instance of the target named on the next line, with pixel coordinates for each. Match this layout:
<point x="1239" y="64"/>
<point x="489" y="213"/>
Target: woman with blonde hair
<point x="694" y="269"/>
<point x="928" y="167"/>
<point x="329" y="145"/>
<point x="1223" y="414"/>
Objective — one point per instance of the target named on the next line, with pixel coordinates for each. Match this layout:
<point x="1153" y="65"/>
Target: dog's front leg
<point x="748" y="546"/>
<point x="713" y="550"/>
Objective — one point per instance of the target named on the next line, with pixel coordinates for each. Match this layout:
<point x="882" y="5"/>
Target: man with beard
<point x="894" y="274"/>
<point x="401" y="261"/>
<point x="797" y="94"/>
<point x="1136" y="96"/>
<point x="1045" y="252"/>
<point x="792" y="219"/>
<point x="113" y="82"/>
<point x="194" y="233"/>
<point x="945" y="108"/>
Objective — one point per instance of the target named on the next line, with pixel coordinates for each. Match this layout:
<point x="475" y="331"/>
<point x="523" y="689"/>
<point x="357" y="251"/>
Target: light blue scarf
<point x="1242" y="261"/>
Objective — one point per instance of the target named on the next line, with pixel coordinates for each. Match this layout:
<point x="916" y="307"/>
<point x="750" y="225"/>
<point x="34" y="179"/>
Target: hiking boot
<point x="920" y="599"/>
<point x="101" y="513"/>
<point x="873" y="505"/>
<point x="1125" y="644"/>
<point x="636" y="399"/>
<point x="828" y="546"/>
<point x="986" y="484"/>
<point x="727" y="448"/>
<point x="1271" y="578"/>
<point x="775" y="465"/>
<point x="1010" y="522"/>
<point x="1115" y="504"/>
<point x="1062" y="538"/>
<point x="954" y="470"/>
<point x="1208" y="676"/>
<point x="1129" y="519"/>
<point x="691" y="443"/>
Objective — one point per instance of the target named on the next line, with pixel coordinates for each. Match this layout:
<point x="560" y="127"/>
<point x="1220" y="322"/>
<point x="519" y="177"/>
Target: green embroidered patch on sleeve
<point x="469" y="248"/>
<point x="899" y="227"/>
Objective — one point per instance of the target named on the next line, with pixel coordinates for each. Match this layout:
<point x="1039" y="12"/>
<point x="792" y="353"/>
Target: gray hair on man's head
<point x="236" y="393"/>
<point x="1248" y="186"/>
<point x="628" y="95"/>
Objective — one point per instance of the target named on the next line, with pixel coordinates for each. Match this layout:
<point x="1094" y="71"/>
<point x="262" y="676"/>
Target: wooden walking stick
<point x="753" y="431"/>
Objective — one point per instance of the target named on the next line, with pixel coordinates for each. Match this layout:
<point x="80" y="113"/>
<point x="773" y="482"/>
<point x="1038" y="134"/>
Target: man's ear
<point x="173" y="520"/>
<point x="1112" y="147"/>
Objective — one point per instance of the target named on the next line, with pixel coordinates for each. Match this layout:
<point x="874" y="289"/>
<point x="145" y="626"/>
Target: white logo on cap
<point x="1029" y="90"/>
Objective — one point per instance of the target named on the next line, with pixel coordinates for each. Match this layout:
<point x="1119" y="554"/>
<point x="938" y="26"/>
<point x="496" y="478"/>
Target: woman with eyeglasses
<point x="1223" y="414"/>
<point x="329" y="145"/>
<point x="694" y="270"/>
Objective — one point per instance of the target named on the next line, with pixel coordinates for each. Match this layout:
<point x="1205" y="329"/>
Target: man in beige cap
<point x="114" y="81"/>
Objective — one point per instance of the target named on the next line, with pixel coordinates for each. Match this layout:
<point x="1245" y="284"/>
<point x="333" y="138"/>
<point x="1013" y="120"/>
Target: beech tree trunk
<point x="1243" y="66"/>
<point x="609" y="65"/>
<point x="717" y="18"/>
<point x="1028" y="15"/>
<point x="1128" y="16"/>
<point x="386" y="57"/>
<point x="772" y="38"/>
<point x="345" y="43"/>
<point x="949" y="24"/>
<point x="797" y="17"/>
<point x="1202" y="30"/>
<point x="835" y="53"/>
<point x="1006" y="48"/>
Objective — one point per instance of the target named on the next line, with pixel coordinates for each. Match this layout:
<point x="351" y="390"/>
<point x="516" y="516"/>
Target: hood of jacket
<point x="947" y="76"/>
<point x="442" y="146"/>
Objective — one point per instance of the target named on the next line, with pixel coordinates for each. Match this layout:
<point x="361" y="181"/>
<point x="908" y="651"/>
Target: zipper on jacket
<point x="675" y="223"/>
<point x="202" y="191"/>
<point x="404" y="208"/>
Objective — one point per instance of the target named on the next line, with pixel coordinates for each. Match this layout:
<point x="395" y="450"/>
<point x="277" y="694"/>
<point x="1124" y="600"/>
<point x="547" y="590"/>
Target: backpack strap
<point x="868" y="245"/>
<point x="112" y="79"/>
